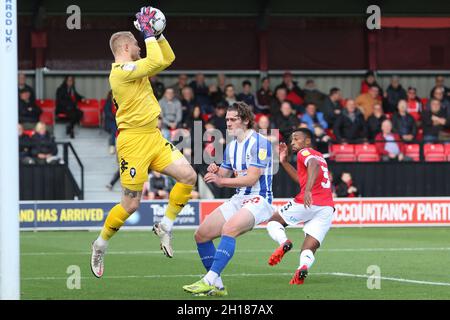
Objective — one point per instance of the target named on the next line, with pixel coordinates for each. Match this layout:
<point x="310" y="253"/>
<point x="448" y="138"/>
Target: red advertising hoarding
<point x="375" y="211"/>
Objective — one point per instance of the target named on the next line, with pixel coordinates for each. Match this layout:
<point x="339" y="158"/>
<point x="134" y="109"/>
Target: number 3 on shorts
<point x="327" y="184"/>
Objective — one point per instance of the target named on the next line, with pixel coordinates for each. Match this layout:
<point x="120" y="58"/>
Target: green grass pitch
<point x="414" y="264"/>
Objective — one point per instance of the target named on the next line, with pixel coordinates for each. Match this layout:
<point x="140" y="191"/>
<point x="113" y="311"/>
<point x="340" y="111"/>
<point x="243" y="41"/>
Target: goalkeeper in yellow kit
<point x="140" y="145"/>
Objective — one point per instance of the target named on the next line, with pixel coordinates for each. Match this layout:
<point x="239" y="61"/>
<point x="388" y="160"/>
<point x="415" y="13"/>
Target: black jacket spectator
<point x="157" y="87"/>
<point x="285" y="121"/>
<point x="67" y="99"/>
<point x="350" y="127"/>
<point x="404" y="124"/>
<point x="25" y="87"/>
<point x="264" y="97"/>
<point x="218" y="119"/>
<point x="29" y="112"/>
<point x="331" y="107"/>
<point x="374" y="125"/>
<point x="431" y="129"/>
<point x="43" y="144"/>
<point x="201" y="91"/>
<point x="25" y="145"/>
<point x="394" y="93"/>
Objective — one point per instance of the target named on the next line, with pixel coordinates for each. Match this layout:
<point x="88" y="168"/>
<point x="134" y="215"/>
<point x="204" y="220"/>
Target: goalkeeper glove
<point x="143" y="18"/>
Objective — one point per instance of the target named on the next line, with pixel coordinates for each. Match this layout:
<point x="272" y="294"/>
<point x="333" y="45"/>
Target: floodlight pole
<point x="9" y="154"/>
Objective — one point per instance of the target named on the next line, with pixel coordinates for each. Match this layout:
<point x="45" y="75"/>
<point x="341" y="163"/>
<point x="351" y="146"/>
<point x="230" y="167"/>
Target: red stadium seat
<point x="434" y="152"/>
<point x="413" y="151"/>
<point x="46" y="104"/>
<point x="48" y="111"/>
<point x="366" y="153"/>
<point x="91" y="113"/>
<point x="343" y="152"/>
<point x="447" y="151"/>
<point x="419" y="135"/>
<point x="28" y="132"/>
<point x="47" y="117"/>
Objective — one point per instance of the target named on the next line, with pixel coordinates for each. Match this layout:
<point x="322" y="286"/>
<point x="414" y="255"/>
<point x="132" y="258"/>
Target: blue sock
<point x="224" y="253"/>
<point x="206" y="251"/>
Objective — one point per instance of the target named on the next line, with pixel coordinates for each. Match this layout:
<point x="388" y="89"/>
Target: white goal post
<point x="9" y="154"/>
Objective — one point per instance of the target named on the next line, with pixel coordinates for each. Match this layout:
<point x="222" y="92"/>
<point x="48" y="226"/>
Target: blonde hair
<point x="39" y="126"/>
<point x="118" y="39"/>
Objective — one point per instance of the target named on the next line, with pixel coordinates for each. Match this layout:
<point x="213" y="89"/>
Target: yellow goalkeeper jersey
<point x="137" y="106"/>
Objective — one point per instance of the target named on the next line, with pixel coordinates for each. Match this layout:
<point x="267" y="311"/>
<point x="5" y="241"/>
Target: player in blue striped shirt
<point x="247" y="166"/>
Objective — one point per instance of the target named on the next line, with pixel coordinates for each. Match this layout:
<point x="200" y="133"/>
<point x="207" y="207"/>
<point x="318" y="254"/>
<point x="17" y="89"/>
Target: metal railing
<point x="66" y="147"/>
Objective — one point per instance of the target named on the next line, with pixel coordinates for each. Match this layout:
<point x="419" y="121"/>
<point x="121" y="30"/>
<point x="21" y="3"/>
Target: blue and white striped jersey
<point x="255" y="151"/>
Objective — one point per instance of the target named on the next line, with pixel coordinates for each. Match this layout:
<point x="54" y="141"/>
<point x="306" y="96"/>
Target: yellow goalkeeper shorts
<point x="141" y="150"/>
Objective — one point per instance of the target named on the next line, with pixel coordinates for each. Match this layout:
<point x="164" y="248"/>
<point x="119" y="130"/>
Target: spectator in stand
<point x="215" y="94"/>
<point x="263" y="127"/>
<point x="435" y="121"/>
<point x="414" y="104"/>
<point x="403" y="123"/>
<point x="43" y="148"/>
<point x="217" y="91"/>
<point x="389" y="145"/>
<point x="438" y="94"/>
<point x="201" y="92"/>
<point x="312" y="117"/>
<point x="218" y="119"/>
<point x="313" y="95"/>
<point x="109" y="112"/>
<point x="187" y="102"/>
<point x="67" y="99"/>
<point x="286" y="121"/>
<point x="180" y="85"/>
<point x="247" y="95"/>
<point x="366" y="101"/>
<point x="280" y="97"/>
<point x="346" y="188"/>
<point x="29" y="112"/>
<point x="156" y="187"/>
<point x="264" y="97"/>
<point x="350" y="125"/>
<point x="394" y="93"/>
<point x="331" y="107"/>
<point x="25" y="145"/>
<point x="369" y="81"/>
<point x="24" y="86"/>
<point x="194" y="124"/>
<point x="439" y="83"/>
<point x="221" y="83"/>
<point x="230" y="96"/>
<point x="293" y="92"/>
<point x="157" y="87"/>
<point x="374" y="122"/>
<point x="195" y="117"/>
<point x="321" y="140"/>
<point x="171" y="110"/>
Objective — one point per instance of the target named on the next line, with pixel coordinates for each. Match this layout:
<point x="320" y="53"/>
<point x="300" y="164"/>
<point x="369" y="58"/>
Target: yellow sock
<point x="116" y="218"/>
<point x="178" y="197"/>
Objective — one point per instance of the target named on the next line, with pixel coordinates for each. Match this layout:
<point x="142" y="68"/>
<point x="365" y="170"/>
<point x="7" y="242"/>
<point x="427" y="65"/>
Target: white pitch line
<point x="336" y="274"/>
<point x="237" y="251"/>
<point x="340" y="274"/>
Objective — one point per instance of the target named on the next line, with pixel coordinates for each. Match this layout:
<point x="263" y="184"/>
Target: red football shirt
<point x="321" y="190"/>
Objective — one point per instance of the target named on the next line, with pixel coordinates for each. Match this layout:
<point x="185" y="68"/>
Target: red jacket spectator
<point x="382" y="144"/>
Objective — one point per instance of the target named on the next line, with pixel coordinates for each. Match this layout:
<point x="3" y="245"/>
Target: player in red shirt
<point x="313" y="205"/>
